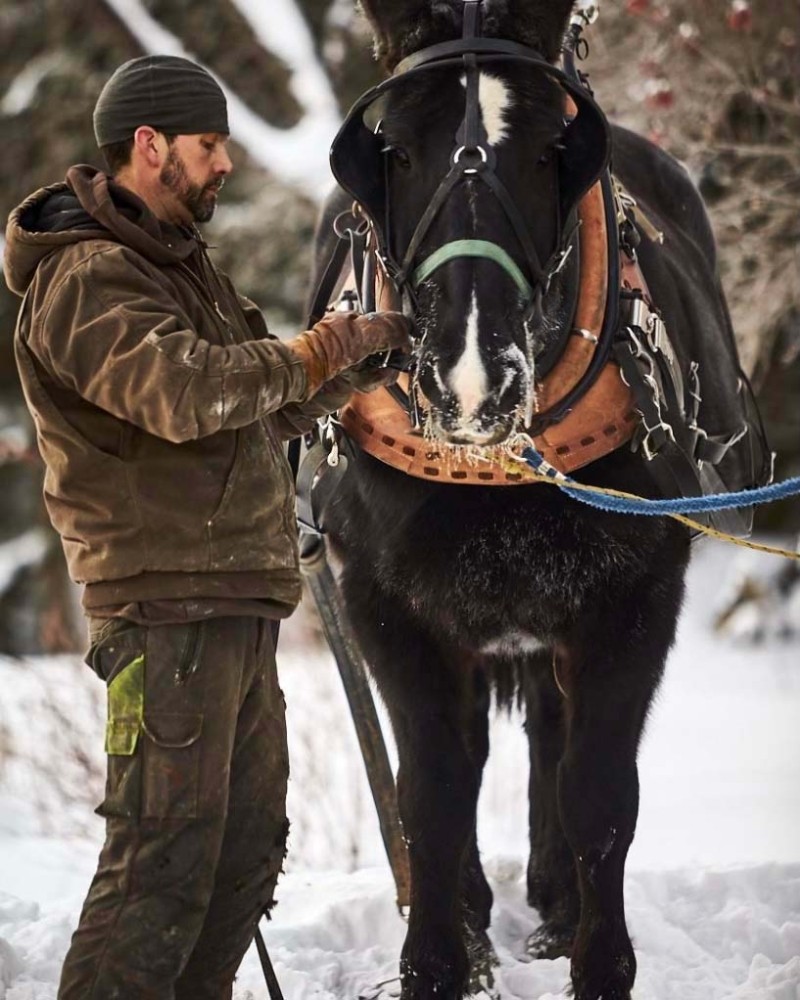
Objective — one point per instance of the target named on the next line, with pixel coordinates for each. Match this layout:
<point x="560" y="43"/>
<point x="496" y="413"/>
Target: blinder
<point x="357" y="155"/>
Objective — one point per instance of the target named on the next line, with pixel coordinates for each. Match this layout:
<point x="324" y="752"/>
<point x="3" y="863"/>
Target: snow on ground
<point x="713" y="885"/>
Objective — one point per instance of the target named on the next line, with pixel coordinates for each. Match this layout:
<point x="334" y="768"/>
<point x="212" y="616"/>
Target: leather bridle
<point x="359" y="161"/>
<point x="472" y="158"/>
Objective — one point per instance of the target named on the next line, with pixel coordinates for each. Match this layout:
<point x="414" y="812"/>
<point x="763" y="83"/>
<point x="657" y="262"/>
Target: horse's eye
<point x="551" y="151"/>
<point x="401" y="157"/>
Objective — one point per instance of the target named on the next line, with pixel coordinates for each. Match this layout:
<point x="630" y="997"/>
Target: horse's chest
<point x="516" y="590"/>
<point x="498" y="580"/>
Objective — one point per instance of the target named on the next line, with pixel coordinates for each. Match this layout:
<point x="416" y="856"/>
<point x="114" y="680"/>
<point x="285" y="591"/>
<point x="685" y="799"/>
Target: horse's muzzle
<point x="487" y="416"/>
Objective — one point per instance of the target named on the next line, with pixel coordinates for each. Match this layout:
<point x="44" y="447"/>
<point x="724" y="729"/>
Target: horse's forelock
<point x="537" y="23"/>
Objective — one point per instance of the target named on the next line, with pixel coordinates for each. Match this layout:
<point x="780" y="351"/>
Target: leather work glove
<point x="366" y="379"/>
<point x="342" y="340"/>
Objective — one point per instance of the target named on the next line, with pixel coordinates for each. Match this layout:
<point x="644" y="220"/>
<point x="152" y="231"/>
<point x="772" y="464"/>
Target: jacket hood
<point x="88" y="206"/>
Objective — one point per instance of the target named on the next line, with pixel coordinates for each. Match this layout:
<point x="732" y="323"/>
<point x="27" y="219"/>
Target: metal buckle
<point x="640" y="313"/>
<point x="657" y="334"/>
<point x="330" y="431"/>
<point x="652" y="326"/>
<point x="650" y="451"/>
<point x="586" y="12"/>
<point x="639" y="351"/>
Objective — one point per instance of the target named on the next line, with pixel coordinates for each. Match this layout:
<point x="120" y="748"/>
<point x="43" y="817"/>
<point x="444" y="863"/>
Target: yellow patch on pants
<point x="125" y="709"/>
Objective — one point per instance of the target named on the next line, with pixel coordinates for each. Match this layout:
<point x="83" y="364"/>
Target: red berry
<point x="659" y="94"/>
<point x="740" y="16"/>
<point x="637" y="6"/>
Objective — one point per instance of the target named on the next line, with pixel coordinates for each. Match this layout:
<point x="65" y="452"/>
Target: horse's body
<point x="453" y="588"/>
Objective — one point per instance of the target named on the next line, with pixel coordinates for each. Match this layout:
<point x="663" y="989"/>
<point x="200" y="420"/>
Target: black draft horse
<point x="451" y="589"/>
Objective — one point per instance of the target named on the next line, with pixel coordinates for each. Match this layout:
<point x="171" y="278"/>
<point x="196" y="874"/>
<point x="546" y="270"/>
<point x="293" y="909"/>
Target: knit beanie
<point x="168" y="93"/>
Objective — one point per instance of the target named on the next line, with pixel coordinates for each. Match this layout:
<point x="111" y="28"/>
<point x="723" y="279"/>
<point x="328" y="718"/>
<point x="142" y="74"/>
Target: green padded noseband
<point x="474" y="248"/>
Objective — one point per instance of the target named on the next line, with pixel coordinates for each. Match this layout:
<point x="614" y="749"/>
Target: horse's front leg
<point x="429" y="701"/>
<point x="552" y="878"/>
<point x="437" y="787"/>
<point x="609" y="676"/>
<point x="476" y="893"/>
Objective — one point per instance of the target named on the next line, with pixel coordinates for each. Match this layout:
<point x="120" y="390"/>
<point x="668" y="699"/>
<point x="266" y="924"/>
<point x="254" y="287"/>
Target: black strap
<point x="328" y="281"/>
<point x="714" y="447"/>
<point x="481" y="47"/>
<point x="539" y="273"/>
<point x="401" y="397"/>
<point x="350" y="661"/>
<point x="453" y="177"/>
<point x="266" y="966"/>
<point x="472" y="9"/>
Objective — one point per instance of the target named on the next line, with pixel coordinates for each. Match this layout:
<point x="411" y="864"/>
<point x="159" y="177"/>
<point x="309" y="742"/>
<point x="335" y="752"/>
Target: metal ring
<point x="342" y="231"/>
<point x="584" y="334"/>
<point x="476" y="149"/>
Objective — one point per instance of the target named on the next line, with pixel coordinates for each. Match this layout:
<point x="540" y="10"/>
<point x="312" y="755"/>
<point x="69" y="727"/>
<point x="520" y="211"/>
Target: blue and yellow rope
<point x="619" y="502"/>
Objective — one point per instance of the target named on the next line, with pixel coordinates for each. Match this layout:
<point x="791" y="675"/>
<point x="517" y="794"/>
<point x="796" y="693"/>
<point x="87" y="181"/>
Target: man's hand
<point x="368" y="379"/>
<point x="342" y="340"/>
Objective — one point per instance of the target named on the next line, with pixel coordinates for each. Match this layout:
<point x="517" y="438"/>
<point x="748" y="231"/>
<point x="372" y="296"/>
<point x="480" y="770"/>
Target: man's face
<point x="194" y="172"/>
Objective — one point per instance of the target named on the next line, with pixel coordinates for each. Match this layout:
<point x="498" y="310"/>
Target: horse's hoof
<point x="482" y="962"/>
<point x="550" y="942"/>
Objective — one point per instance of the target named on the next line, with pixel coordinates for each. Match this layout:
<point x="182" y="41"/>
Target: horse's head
<point x="468" y="191"/>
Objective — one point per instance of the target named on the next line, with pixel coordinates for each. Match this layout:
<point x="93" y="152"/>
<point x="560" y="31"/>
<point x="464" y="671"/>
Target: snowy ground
<point x="713" y="886"/>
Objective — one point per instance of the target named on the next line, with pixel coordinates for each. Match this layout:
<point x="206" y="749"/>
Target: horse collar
<point x="602" y="420"/>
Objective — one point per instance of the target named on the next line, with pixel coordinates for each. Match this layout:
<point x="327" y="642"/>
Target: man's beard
<point x="199" y="201"/>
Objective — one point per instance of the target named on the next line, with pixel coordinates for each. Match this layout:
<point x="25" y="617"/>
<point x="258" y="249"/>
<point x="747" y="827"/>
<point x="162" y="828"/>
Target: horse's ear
<point x="391" y="21"/>
<point x="541" y="24"/>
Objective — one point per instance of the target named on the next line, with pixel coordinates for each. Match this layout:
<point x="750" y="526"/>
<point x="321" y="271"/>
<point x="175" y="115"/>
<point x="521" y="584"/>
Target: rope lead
<point x="618" y="502"/>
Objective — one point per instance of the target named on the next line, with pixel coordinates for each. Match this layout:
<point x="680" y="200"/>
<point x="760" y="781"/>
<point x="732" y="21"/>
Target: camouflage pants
<point x="195" y="810"/>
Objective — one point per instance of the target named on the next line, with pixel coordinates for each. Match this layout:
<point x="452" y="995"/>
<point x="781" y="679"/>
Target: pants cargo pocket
<point x="118" y="657"/>
<point x="123" y="728"/>
<point x="171" y="765"/>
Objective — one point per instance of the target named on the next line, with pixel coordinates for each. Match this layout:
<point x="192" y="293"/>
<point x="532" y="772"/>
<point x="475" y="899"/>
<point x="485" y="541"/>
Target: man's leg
<point x="255" y="836"/>
<point x="174" y="698"/>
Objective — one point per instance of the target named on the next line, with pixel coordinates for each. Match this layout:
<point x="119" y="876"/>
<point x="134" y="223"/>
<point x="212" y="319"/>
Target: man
<point x="161" y="404"/>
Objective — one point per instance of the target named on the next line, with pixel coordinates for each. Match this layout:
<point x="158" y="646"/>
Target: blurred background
<point x="713" y="81"/>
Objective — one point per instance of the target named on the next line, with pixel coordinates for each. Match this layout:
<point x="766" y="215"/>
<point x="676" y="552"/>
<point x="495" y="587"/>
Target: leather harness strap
<point x="602" y="420"/>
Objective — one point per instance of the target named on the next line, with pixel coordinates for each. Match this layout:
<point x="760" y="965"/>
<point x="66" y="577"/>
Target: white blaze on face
<point x="495" y="99"/>
<point x="468" y="379"/>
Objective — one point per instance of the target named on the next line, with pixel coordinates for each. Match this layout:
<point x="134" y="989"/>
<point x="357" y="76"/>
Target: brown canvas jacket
<point x="160" y="402"/>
